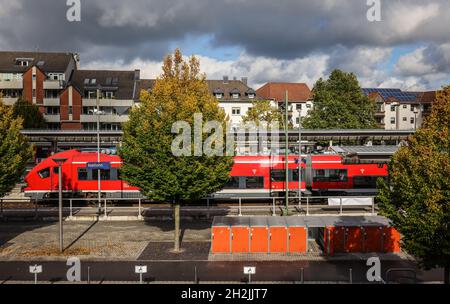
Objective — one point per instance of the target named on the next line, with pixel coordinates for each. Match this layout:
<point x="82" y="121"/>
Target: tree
<point x="15" y="151"/>
<point x="416" y="197"/>
<point x="340" y="104"/>
<point x="32" y="117"/>
<point x="263" y="111"/>
<point x="178" y="95"/>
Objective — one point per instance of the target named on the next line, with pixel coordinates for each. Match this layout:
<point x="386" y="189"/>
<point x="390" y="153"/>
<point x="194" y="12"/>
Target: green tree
<point x="149" y="163"/>
<point x="263" y="112"/>
<point x="15" y="151"/>
<point x="340" y="104"/>
<point x="32" y="117"/>
<point x="416" y="198"/>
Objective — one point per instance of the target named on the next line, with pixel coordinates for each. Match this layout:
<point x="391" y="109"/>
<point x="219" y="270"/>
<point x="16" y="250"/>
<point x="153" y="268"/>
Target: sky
<point x="264" y="40"/>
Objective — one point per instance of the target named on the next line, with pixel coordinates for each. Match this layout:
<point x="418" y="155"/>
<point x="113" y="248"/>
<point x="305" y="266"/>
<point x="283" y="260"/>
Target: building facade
<point x="299" y="98"/>
<point x="400" y="110"/>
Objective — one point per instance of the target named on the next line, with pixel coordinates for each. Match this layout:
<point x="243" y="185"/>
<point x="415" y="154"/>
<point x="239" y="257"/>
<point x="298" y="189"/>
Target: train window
<point x="254" y="182"/>
<point x="82" y="174"/>
<point x="104" y="174"/>
<point x="55" y="170"/>
<point x="330" y="175"/>
<point x="233" y="183"/>
<point x="278" y="175"/>
<point x="44" y="173"/>
<point x="366" y="182"/>
<point x="295" y="175"/>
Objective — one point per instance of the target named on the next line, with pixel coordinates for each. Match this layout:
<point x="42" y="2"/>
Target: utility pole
<point x="98" y="152"/>
<point x="286" y="138"/>
<point x="299" y="157"/>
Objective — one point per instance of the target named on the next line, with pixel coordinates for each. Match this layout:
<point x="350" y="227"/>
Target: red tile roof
<point x="276" y="91"/>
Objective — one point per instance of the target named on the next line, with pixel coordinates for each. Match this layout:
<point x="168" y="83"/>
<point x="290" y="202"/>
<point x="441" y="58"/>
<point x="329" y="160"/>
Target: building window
<point x="33" y="76"/>
<point x="412" y="120"/>
<point x="413" y="108"/>
<point x="251" y="96"/>
<point x="52" y="110"/>
<point x="235" y="95"/>
<point x="89" y="126"/>
<point x="297" y="120"/>
<point x="53" y="126"/>
<point x="392" y="120"/>
<point x="34" y="93"/>
<point x="88" y="110"/>
<point x="405" y="106"/>
<point x="236" y="111"/>
<point x="308" y="106"/>
<point x="51" y="93"/>
<point x="109" y="95"/>
<point x="70" y="110"/>
<point x="404" y="118"/>
<point x="392" y="108"/>
<point x="298" y="106"/>
<point x="219" y="95"/>
<point x="23" y="63"/>
<point x="91" y="94"/>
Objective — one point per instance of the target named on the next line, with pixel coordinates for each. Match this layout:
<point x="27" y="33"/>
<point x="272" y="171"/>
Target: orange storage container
<point x="240" y="235"/>
<point x="278" y="237"/>
<point x="353" y="239"/>
<point x="373" y="239"/>
<point x="391" y="240"/>
<point x="259" y="235"/>
<point x="220" y="235"/>
<point x="334" y="240"/>
<point x="298" y="235"/>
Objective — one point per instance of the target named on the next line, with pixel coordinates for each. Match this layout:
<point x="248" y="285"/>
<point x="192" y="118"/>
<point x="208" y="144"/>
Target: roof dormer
<point x="235" y="93"/>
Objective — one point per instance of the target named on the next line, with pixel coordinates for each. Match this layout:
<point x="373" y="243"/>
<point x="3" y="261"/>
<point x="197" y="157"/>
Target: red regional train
<point x="261" y="176"/>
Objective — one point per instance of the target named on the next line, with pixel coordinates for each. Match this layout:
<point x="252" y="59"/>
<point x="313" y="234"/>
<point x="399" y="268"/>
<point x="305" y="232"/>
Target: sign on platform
<point x="36" y="269"/>
<point x="356" y="201"/>
<point x="249" y="270"/>
<point x="140" y="269"/>
<point x="99" y="166"/>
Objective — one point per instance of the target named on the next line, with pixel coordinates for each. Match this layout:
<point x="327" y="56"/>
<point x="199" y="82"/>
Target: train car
<point x="78" y="180"/>
<point x="260" y="176"/>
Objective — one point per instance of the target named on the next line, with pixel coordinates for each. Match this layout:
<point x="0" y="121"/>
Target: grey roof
<point x="124" y="88"/>
<point x="366" y="150"/>
<point x="48" y="62"/>
<point x="303" y="221"/>
<point x="258" y="221"/>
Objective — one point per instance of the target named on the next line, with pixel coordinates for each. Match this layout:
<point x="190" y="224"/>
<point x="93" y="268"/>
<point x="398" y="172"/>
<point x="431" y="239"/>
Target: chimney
<point x="244" y="80"/>
<point x="137" y="74"/>
<point x="225" y="79"/>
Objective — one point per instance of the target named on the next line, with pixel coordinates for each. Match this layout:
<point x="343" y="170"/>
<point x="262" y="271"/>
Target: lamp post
<point x="60" y="162"/>
<point x="98" y="152"/>
<point x="286" y="138"/>
<point x="299" y="157"/>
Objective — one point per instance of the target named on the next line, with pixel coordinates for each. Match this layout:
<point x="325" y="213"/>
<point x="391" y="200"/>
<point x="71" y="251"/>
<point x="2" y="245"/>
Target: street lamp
<point x="286" y="137"/>
<point x="299" y="158"/>
<point x="60" y="162"/>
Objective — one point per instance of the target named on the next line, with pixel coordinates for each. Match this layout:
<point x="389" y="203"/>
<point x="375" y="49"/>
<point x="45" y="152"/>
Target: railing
<point x="306" y="206"/>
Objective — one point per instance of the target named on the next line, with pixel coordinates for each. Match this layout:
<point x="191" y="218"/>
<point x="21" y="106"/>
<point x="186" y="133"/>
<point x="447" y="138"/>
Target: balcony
<point x="92" y="102"/>
<point x="53" y="84"/>
<point x="11" y="84"/>
<point x="109" y="118"/>
<point x="52" y="118"/>
<point x="9" y="101"/>
<point x="51" y="102"/>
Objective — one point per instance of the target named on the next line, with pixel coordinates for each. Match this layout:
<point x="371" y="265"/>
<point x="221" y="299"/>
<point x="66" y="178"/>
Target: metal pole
<point x="35" y="278"/>
<point x="106" y="214"/>
<point x="299" y="160"/>
<point x="89" y="275"/>
<point x="60" y="209"/>
<point x="340" y="203"/>
<point x="273" y="207"/>
<point x="307" y="205"/>
<point x="207" y="208"/>
<point x="249" y="278"/>
<point x="373" y="206"/>
<point x="240" y="210"/>
<point x="140" y="278"/>
<point x="286" y="153"/>
<point x="302" y="277"/>
<point x="71" y="214"/>
<point x="195" y="275"/>
<point x="351" y="276"/>
<point x="140" y="210"/>
<point x="98" y="151"/>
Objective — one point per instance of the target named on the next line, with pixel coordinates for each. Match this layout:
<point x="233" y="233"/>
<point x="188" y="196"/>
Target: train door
<point x="353" y="241"/>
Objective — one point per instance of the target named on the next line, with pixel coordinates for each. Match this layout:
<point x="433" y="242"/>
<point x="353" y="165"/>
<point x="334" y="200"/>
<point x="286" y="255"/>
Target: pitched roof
<point x="47" y="62"/>
<point x="401" y="96"/>
<point x="277" y="91"/>
<point x="216" y="86"/>
<point x="124" y="88"/>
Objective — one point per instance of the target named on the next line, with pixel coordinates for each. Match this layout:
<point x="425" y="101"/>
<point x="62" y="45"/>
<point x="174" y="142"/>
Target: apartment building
<point x="299" y="98"/>
<point x="400" y="110"/>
